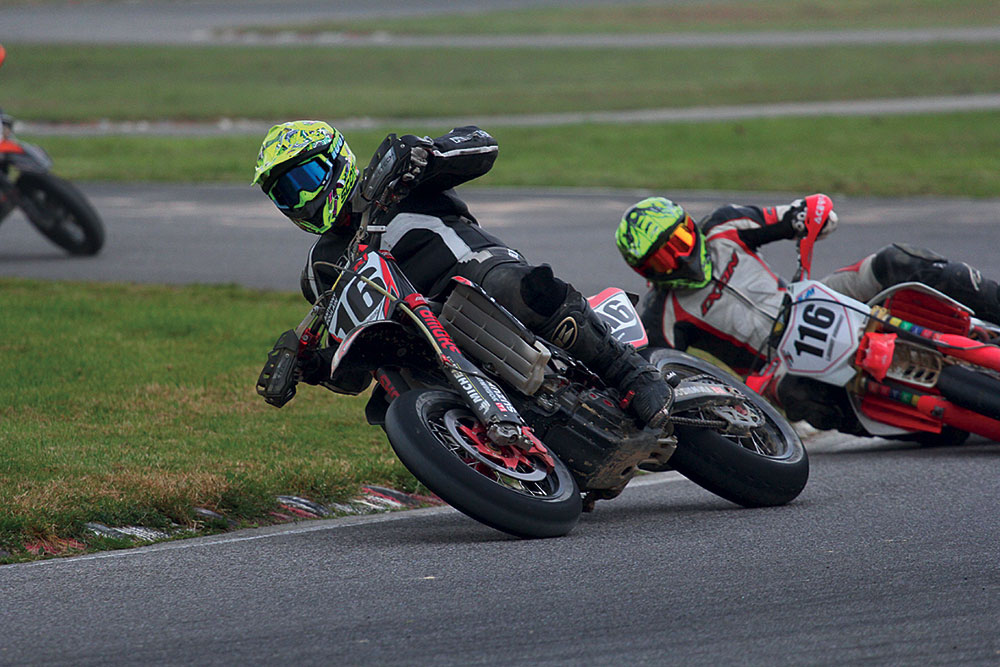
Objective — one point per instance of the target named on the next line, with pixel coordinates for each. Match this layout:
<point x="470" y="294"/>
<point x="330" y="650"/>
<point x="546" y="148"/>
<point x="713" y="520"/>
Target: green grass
<point x="64" y="83"/>
<point x="705" y="15"/>
<point x="128" y="404"/>
<point x="946" y="154"/>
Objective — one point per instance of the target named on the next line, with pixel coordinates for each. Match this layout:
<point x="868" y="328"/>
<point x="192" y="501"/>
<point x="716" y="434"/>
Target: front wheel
<point x="527" y="494"/>
<point x="61" y="213"/>
<point x="751" y="456"/>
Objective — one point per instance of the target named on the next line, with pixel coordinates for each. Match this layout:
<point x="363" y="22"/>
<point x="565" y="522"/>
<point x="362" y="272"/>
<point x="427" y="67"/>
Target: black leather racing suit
<point x="433" y="237"/>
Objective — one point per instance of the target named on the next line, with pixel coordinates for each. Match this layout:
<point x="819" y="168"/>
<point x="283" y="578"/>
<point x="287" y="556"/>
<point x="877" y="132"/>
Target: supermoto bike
<point x="508" y="428"/>
<point x="53" y="205"/>
<point x="915" y="363"/>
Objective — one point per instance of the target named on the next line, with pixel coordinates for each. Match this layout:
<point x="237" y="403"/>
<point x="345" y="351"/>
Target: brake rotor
<point x="503" y="460"/>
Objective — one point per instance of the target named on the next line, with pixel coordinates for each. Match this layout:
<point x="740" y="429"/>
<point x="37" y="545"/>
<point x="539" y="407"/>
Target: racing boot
<point x="902" y="262"/>
<point x="551" y="308"/>
<point x="961" y="281"/>
<point x="576" y="328"/>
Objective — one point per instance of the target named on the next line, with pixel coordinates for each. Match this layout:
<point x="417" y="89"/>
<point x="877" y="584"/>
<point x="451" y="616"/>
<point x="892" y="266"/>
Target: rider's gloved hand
<point x="419" y="155"/>
<point x="315" y="365"/>
<point x="795" y="215"/>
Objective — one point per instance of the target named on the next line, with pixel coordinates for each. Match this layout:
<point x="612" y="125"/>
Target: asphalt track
<point x="888" y="558"/>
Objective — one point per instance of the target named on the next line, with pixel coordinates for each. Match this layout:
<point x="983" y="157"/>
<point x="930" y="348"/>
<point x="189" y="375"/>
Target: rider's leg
<point x="554" y="310"/>
<point x="431" y="251"/>
<point x="900" y="263"/>
<point x="857" y="280"/>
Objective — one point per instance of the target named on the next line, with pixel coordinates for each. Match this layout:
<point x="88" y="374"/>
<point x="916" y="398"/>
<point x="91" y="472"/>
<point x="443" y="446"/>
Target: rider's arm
<point x="757" y="226"/>
<point x="411" y="166"/>
<point x="461" y="155"/>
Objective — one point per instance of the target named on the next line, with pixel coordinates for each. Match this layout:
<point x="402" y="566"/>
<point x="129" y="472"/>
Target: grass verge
<point x="73" y="84"/>
<point x="941" y="154"/>
<point x="126" y="404"/>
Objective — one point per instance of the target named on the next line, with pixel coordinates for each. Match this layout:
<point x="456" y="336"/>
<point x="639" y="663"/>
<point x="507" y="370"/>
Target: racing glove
<point x="794" y="216"/>
<point x="314" y="365"/>
<point x="417" y="159"/>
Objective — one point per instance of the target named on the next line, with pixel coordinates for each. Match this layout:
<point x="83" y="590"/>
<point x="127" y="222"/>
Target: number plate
<point x="357" y="302"/>
<point x="822" y="331"/>
<point x="614" y="307"/>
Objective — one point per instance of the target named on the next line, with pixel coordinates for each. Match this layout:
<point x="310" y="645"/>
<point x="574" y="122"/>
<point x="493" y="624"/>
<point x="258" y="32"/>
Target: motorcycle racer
<point x="310" y="173"/>
<point x="711" y="289"/>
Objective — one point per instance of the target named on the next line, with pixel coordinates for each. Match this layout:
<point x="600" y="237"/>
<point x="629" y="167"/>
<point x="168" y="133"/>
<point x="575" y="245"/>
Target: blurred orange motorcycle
<point x="54" y="206"/>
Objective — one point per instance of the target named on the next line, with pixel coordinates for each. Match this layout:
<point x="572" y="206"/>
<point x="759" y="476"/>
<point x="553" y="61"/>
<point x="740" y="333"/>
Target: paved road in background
<point x="223" y="21"/>
<point x="232" y="234"/>
<point x="197" y="21"/>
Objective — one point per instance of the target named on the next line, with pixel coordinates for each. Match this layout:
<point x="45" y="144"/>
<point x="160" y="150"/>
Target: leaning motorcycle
<point x="503" y="425"/>
<point x="915" y="363"/>
<point x="54" y="206"/>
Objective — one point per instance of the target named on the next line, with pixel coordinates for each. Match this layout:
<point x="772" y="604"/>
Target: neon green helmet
<point x="307" y="169"/>
<point x="661" y="243"/>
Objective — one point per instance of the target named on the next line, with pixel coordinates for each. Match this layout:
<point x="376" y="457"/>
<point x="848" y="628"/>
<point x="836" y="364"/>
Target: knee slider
<point x="531" y="293"/>
<point x="542" y="291"/>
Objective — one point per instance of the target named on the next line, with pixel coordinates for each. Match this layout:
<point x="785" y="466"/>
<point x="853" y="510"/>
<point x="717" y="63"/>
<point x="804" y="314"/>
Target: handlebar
<point x="818" y="208"/>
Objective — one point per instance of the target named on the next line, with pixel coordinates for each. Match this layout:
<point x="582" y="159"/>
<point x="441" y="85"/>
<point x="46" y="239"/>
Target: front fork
<point x="504" y="425"/>
<point x="11" y="198"/>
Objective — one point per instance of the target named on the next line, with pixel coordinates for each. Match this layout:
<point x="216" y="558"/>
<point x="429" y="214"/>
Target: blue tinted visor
<point x="308" y="178"/>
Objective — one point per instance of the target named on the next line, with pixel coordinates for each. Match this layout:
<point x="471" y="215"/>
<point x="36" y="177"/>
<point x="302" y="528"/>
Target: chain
<point x="699" y="421"/>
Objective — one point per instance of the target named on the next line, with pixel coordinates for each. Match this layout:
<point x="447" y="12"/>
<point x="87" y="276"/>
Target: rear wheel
<point x="61" y="213"/>
<point x="748" y="454"/>
<point x="527" y="494"/>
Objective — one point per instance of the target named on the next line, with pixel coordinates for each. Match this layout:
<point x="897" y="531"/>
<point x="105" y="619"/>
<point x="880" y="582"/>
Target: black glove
<point x="314" y="365"/>
<point x="416" y="161"/>
<point x="395" y="169"/>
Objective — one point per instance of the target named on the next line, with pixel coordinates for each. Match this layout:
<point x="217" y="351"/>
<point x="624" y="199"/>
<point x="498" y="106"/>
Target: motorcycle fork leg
<point x="484" y="397"/>
<point x="392" y="382"/>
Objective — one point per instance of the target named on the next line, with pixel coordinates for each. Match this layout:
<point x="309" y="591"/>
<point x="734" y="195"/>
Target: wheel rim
<point x="764" y="439"/>
<point x="746" y="424"/>
<point x="460" y="433"/>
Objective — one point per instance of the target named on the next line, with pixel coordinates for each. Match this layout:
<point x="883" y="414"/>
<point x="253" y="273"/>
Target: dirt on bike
<point x="53" y="205"/>
<point x="505" y="426"/>
<point x="915" y="363"/>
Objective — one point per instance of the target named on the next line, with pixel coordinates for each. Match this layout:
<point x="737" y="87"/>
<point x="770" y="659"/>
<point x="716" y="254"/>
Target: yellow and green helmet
<point x="661" y="243"/>
<point x="307" y="169"/>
